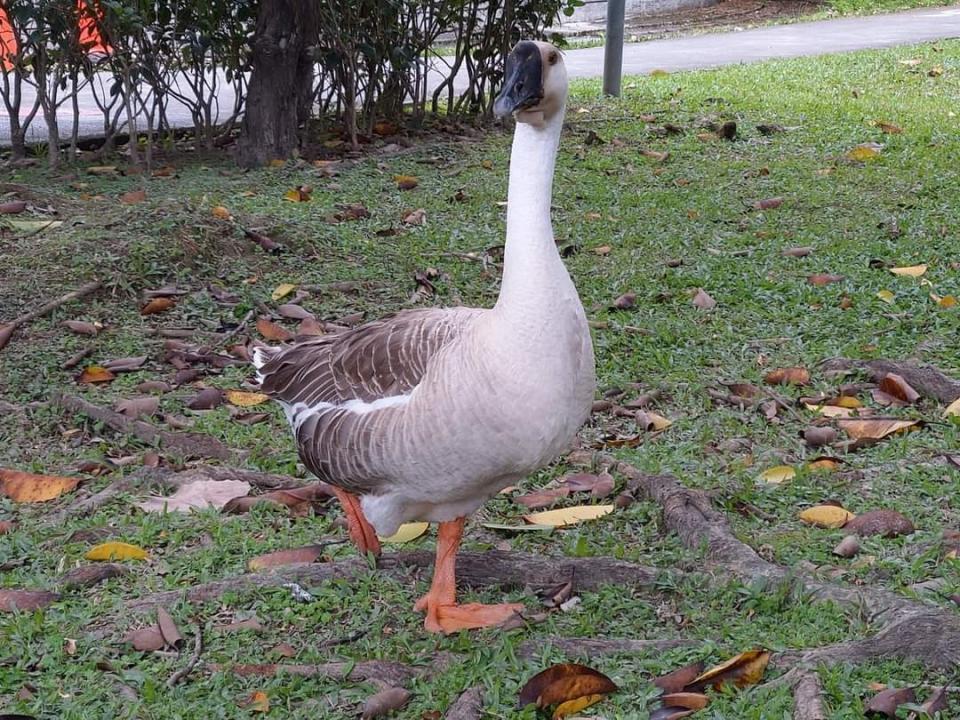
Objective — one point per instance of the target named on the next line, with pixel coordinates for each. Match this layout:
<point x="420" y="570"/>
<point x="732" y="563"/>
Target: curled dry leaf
<point x="914" y="271"/>
<point x="294" y="312"/>
<point x="542" y="498"/>
<point x="848" y="547"/>
<point x="568" y="516"/>
<point x="671" y="713"/>
<point x="157" y="386"/>
<point x="745" y="669"/>
<point x="199" y="494"/>
<point x="87" y="576"/>
<point x="867" y="431"/>
<point x="384" y="702"/>
<point x="687" y="700"/>
<point x="896" y="386"/>
<point x="889" y="128"/>
<point x="95" y="374"/>
<point x="778" y="474"/>
<point x="625" y="301"/>
<point x="886" y="523"/>
<point x="158" y="305"/>
<point x="282" y="290"/>
<point x="83" y="328"/>
<point x="788" y="376"/>
<point x="206" y="399"/>
<point x="953" y="409"/>
<point x="560" y="683"/>
<point x="296" y="556"/>
<point x="22" y="486"/>
<point x="258" y="702"/>
<point x="116" y="551"/>
<point x="349" y="211"/>
<point x="797" y="252"/>
<point x="936" y="703"/>
<point x="138" y="407"/>
<point x="821" y="279"/>
<point x="126" y="364"/>
<point x="133" y="197"/>
<point x="824" y="464"/>
<point x="703" y="301"/>
<point x="414" y="217"/>
<point x="293" y="498"/>
<point x="819" y="436"/>
<point x="219" y="211"/>
<point x="12" y="207"/>
<point x="826" y="516"/>
<point x="271" y="331"/>
<point x="168" y="629"/>
<point x="25" y="600"/>
<point x="886" y="702"/>
<point x="675" y="681"/>
<point x="768" y="203"/>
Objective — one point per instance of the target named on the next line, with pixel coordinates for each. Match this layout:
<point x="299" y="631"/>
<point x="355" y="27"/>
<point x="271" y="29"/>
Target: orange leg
<point x="361" y="531"/>
<point x="440" y="603"/>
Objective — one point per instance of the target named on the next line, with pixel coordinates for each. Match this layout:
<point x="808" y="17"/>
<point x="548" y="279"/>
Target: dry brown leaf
<point x="258" y="702"/>
<point x="914" y="271"/>
<point x="745" y="669"/>
<point x="601" y="250"/>
<point x="953" y="409"/>
<point x="848" y="547"/>
<point x="542" y="498"/>
<point x="137" y="407"/>
<point x="625" y="301"/>
<point x="886" y="523"/>
<point x="886" y="702"/>
<point x="703" y="301"/>
<point x="687" y="700"/>
<point x="7" y="527"/>
<point x="94" y="374"/>
<point x="294" y="312"/>
<point x="671" y="713"/>
<point x="133" y="197"/>
<point x="384" y="702"/>
<point x="219" y="211"/>
<point x="22" y="486"/>
<point x="768" y="203"/>
<point x="797" y="252"/>
<point x="125" y="364"/>
<point x="271" y="331"/>
<point x="25" y="600"/>
<point x="168" y="629"/>
<point x="295" y="556"/>
<point x="198" y="494"/>
<point x="821" y="279"/>
<point x="12" y="207"/>
<point x="207" y="399"/>
<point x="89" y="575"/>
<point x="824" y="463"/>
<point x="867" y="431"/>
<point x="560" y="683"/>
<point x="788" y="376"/>
<point x="889" y="128"/>
<point x="414" y="217"/>
<point x="293" y="498"/>
<point x="568" y="516"/>
<point x="936" y="703"/>
<point x="819" y="436"/>
<point x="252" y="624"/>
<point x="158" y="305"/>
<point x="894" y="385"/>
<point x="675" y="681"/>
<point x="83" y="328"/>
<point x="826" y="516"/>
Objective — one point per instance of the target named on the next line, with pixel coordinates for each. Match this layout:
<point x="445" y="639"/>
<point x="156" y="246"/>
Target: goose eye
<point x="552" y="58"/>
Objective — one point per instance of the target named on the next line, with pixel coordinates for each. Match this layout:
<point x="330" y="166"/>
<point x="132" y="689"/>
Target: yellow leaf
<point x="94" y="374"/>
<point x="745" y="669"/>
<point x="824" y="463"/>
<point x="953" y="409"/>
<point x="826" y="516"/>
<point x="259" y="702"/>
<point x="116" y="551"/>
<point x="245" y="399"/>
<point x="947" y="301"/>
<point x="405" y="182"/>
<point x="406" y="533"/>
<point x="293" y="195"/>
<point x="886" y="296"/>
<point x="830" y="410"/>
<point x="847" y="401"/>
<point x="576" y="705"/>
<point x="864" y="152"/>
<point x="909" y="271"/>
<point x="778" y="474"/>
<point x="282" y="290"/>
<point x="26" y="487"/>
<point x="568" y="516"/>
<point x="219" y="211"/>
<point x="277" y="163"/>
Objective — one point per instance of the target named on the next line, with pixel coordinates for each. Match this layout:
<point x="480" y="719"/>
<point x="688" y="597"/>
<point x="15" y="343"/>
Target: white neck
<point x="530" y="252"/>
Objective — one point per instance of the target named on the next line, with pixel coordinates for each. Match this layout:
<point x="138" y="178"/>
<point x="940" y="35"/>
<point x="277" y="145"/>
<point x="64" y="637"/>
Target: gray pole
<point x="613" y="48"/>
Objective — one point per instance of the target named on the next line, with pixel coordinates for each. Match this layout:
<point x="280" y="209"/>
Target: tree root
<point x="807" y="698"/>
<point x="925" y="379"/>
<point x="7" y="329"/>
<point x="189" y="445"/>
<point x="469" y="706"/>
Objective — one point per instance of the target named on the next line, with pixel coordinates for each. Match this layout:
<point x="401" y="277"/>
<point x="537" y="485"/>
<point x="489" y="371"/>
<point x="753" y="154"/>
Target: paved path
<point x="672" y="54"/>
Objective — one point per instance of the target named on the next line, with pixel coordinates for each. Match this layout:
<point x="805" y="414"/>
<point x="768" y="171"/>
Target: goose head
<point x="534" y="84"/>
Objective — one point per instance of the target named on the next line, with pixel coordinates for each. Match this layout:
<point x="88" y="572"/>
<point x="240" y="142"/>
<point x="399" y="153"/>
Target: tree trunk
<point x="282" y="76"/>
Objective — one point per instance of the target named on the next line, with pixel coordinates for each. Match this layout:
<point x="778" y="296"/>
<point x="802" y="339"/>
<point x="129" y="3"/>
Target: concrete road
<point x="672" y="54"/>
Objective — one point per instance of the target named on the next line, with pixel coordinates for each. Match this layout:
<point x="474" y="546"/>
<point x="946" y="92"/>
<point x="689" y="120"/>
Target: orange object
<point x="361" y="531"/>
<point x="8" y="41"/>
<point x="440" y="603"/>
<point x="89" y="35"/>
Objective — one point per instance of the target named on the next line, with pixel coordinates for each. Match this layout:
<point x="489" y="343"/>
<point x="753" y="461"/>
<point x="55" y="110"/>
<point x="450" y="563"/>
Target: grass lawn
<point x="661" y="228"/>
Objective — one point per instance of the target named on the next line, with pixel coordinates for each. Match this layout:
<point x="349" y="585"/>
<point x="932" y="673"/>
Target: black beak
<point x="522" y="80"/>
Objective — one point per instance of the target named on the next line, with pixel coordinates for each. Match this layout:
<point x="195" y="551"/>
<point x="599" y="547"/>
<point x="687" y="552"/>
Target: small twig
<point x="233" y="333"/>
<point x="6" y="330"/>
<point x="333" y="642"/>
<point x="194" y="659"/>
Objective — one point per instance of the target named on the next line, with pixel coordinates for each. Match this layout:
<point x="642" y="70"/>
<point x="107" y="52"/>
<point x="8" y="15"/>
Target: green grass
<point x="697" y="206"/>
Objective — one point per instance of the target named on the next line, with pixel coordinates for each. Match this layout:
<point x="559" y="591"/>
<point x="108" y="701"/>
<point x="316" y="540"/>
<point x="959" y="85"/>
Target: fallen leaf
<point x="258" y="702"/>
<point x="116" y="551"/>
<point x="953" y="409"/>
<point x="133" y="197"/>
<point x="252" y="624"/>
<point x="206" y="399"/>
<point x="293" y="498"/>
<point x="826" y="516"/>
<point x="778" y="474"/>
<point x="87" y="576"/>
<point x="405" y="182"/>
<point x="886" y="702"/>
<point x="102" y="170"/>
<point x="914" y="271"/>
<point x="568" y="516"/>
<point x="7" y="527"/>
<point x="298" y="194"/>
<point x="168" y="628"/>
<point x="245" y="399"/>
<point x="126" y="364"/>
<point x="947" y="301"/>
<point x="295" y="556"/>
<point x="542" y="498"/>
<point x="885" y="523"/>
<point x="506" y="527"/>
<point x="745" y="669"/>
<point x="886" y="296"/>
<point x="22" y="486"/>
<point x="797" y="252"/>
<point x="12" y="207"/>
<point x="848" y="547"/>
<point x="671" y="713"/>
<point x="294" y="312"/>
<point x="703" y="301"/>
<point x="197" y="494"/>
<point x="94" y="374"/>
<point x="819" y="436"/>
<point x="349" y="211"/>
<point x="686" y="700"/>
<point x="576" y="705"/>
<point x="597" y="485"/>
<point x="414" y="217"/>
<point x="406" y="532"/>
<point x="271" y="331"/>
<point x="83" y="328"/>
<point x="889" y="128"/>
<point x="675" y="681"/>
<point x="146" y="639"/>
<point x="282" y="290"/>
<point x="625" y="301"/>
<point x="768" y="203"/>
<point x="251" y="418"/>
<point x="864" y="152"/>
<point x="867" y="431"/>
<point x="384" y="702"/>
<point x="158" y="305"/>
<point x="821" y="279"/>
<point x="563" y="682"/>
<point x="219" y="211"/>
<point x="137" y="407"/>
<point x="828" y="464"/>
<point x="895" y="386"/>
<point x="33" y="226"/>
<point x="25" y="600"/>
<point x="936" y="703"/>
<point x="935" y="71"/>
<point x="788" y="376"/>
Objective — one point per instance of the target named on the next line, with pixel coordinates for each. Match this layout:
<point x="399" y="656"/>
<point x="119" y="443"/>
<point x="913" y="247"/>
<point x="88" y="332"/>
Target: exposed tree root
<point x="911" y="630"/>
<point x="925" y="379"/>
<point x="469" y="706"/>
<point x="189" y="445"/>
<point x="807" y="698"/>
<point x="7" y="329"/>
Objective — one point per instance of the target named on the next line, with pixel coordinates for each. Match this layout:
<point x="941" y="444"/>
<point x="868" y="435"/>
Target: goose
<point x="426" y="414"/>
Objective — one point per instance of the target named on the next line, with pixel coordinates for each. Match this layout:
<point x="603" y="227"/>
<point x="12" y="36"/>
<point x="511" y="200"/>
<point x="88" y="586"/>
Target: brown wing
<point x="378" y="360"/>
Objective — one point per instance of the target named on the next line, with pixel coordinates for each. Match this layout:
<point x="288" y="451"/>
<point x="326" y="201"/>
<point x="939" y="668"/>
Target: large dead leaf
<point x="22" y="486"/>
<point x="745" y="669"/>
<point x="158" y="305"/>
<point x="125" y="364"/>
<point x="886" y="702"/>
<point x="568" y="516"/>
<point x="569" y="707"/>
<point x="138" y="407"/>
<point x="207" y="399"/>
<point x="896" y="386"/>
<point x="384" y="702"/>
<point x="913" y="271"/>
<point x="89" y="575"/>
<point x="406" y="532"/>
<point x="95" y="374"/>
<point x="12" y="207"/>
<point x="821" y="279"/>
<point x="83" y="328"/>
<point x="272" y="331"/>
<point x="258" y="702"/>
<point x="542" y="498"/>
<point x="788" y="376"/>
<point x="294" y="312"/>
<point x="702" y="300"/>
<point x="686" y="700"/>
<point x="867" y="431"/>
<point x="282" y="290"/>
<point x="677" y="680"/>
<point x="296" y="556"/>
<point x="133" y="197"/>
<point x="25" y="600"/>
<point x="778" y="474"/>
<point x="7" y="527"/>
<point x="168" y="628"/>
<point x="116" y="551"/>
<point x="826" y="516"/>
<point x="561" y="683"/>
<point x="199" y="494"/>
<point x="864" y="152"/>
<point x="297" y="499"/>
<point x="597" y="485"/>
<point x="886" y="523"/>
<point x="405" y="182"/>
